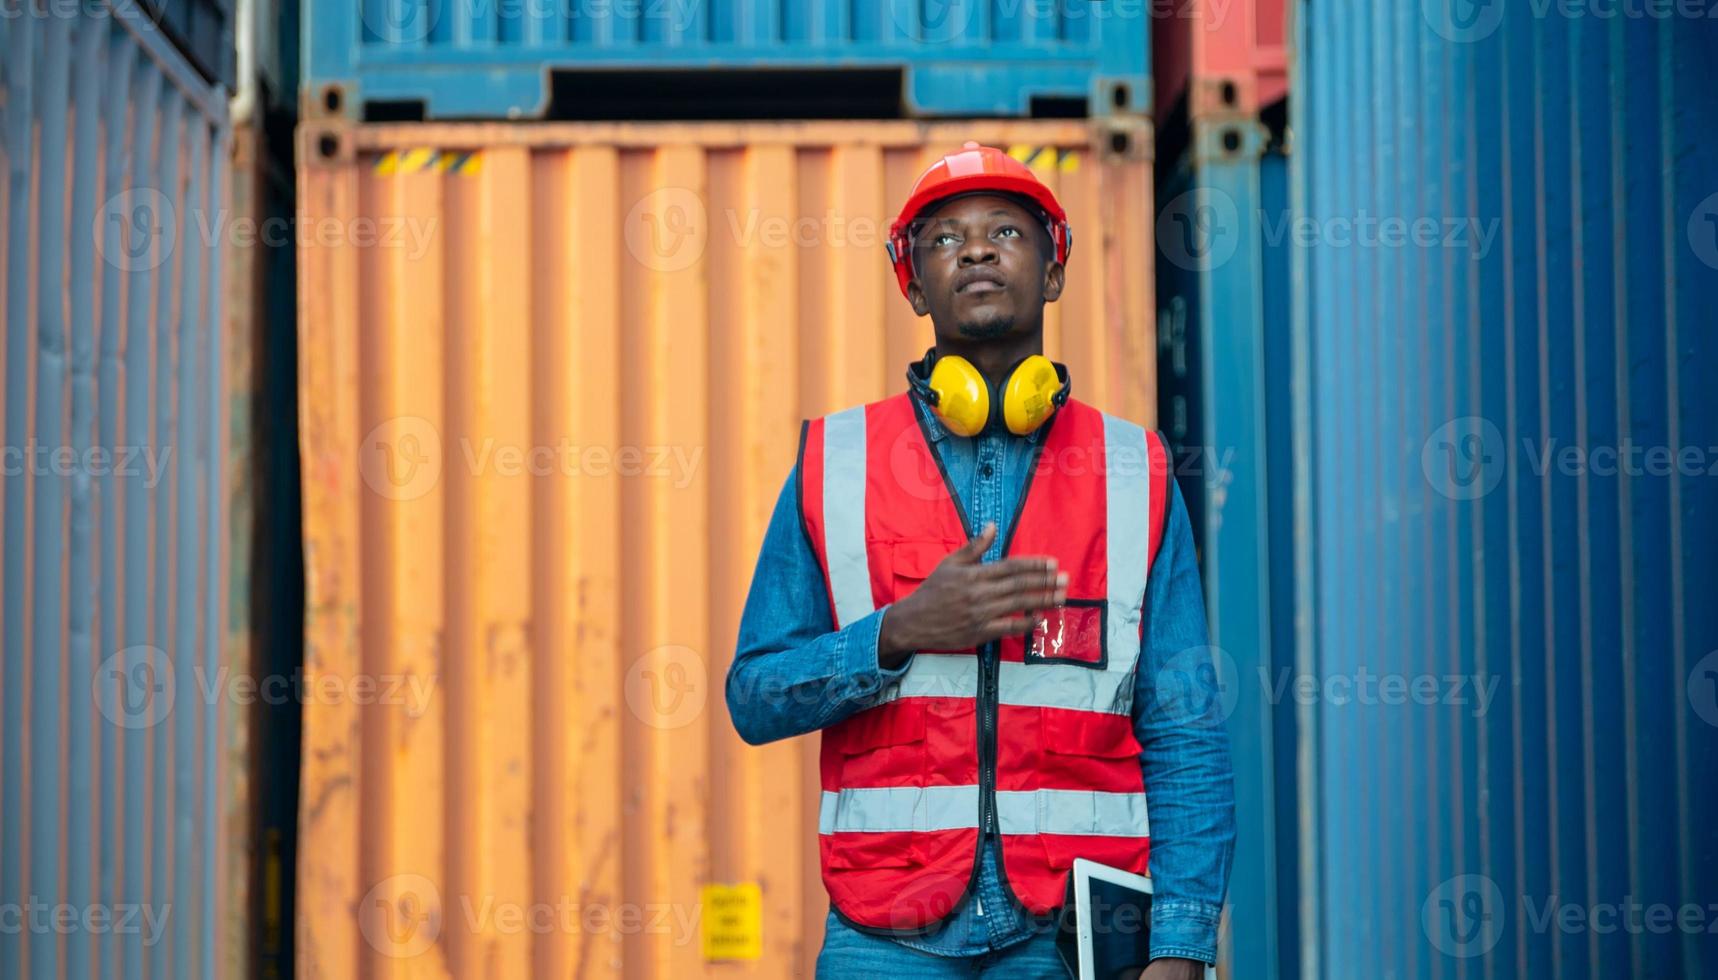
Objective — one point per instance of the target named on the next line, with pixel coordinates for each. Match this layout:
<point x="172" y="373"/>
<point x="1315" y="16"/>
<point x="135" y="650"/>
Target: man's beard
<point x="999" y="327"/>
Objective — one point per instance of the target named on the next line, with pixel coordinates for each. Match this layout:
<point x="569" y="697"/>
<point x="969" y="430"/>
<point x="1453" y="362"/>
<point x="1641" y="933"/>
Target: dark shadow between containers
<point x="612" y="95"/>
<point x="726" y="94"/>
<point x="276" y="574"/>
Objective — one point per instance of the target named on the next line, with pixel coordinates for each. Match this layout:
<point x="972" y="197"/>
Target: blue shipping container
<point x="202" y="30"/>
<point x="1222" y="288"/>
<point x="1505" y="462"/>
<point x="496" y="60"/>
<point x="111" y="504"/>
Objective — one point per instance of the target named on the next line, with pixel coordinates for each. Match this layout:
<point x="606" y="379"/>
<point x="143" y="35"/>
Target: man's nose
<point x="973" y="252"/>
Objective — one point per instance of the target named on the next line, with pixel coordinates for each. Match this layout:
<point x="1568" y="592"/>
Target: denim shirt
<point x="794" y="673"/>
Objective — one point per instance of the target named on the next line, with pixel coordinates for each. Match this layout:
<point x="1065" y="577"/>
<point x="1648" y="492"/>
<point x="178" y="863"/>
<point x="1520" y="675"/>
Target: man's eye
<point x="1010" y="230"/>
<point x="944" y="239"/>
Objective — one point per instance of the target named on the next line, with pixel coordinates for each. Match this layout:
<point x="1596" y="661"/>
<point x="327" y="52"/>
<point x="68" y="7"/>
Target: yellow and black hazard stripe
<point x="423" y="159"/>
<point x="1046" y="159"/>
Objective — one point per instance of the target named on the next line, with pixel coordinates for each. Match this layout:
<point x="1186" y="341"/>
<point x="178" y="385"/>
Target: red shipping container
<point x="1219" y="56"/>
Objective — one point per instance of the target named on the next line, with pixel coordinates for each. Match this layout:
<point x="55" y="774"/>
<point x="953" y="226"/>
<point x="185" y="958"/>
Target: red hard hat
<point x="969" y="169"/>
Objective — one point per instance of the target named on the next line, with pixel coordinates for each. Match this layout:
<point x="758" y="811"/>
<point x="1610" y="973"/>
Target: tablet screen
<point x="1110" y="932"/>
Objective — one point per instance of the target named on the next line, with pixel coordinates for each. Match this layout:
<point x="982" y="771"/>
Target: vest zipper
<point x="989" y="668"/>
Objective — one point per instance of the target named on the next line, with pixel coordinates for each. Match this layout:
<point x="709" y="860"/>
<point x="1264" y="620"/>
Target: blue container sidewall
<point x="964" y="61"/>
<point x="1223" y="395"/>
<point x="1585" y="142"/>
<point x="62" y="76"/>
<point x="202" y="30"/>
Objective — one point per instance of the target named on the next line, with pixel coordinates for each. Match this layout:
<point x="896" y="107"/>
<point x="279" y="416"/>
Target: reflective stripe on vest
<point x="1126" y="531"/>
<point x="844" y="515"/>
<point x="893" y="809"/>
<point x="955" y="675"/>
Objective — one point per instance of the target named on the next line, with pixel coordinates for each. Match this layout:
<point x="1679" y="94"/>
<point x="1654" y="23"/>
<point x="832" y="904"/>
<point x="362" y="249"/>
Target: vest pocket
<point x="1126" y="853"/>
<point x="864" y="852"/>
<point x="911" y="562"/>
<point x="895" y="723"/>
<point x="1089" y="734"/>
<point x="881" y="746"/>
<point x="1098" y="754"/>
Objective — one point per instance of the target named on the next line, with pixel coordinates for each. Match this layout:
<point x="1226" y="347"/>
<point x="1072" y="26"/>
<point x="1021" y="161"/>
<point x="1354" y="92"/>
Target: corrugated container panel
<point x="496" y="61"/>
<point x="1505" y="439"/>
<point x="545" y="418"/>
<point x="1222" y="268"/>
<point x="115" y="541"/>
<point x="1219" y="56"/>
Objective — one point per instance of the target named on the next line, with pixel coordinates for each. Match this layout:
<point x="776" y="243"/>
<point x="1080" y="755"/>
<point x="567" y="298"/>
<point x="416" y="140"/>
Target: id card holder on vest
<point x="1072" y="633"/>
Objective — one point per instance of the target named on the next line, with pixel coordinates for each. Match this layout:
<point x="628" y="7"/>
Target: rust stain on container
<point x="549" y="396"/>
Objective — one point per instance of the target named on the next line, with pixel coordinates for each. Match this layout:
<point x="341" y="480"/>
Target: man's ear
<point x="916" y="296"/>
<point x="1054" y="275"/>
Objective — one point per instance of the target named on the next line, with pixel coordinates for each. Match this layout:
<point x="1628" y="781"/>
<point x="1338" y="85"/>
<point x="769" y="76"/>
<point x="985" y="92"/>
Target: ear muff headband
<point x="958" y="392"/>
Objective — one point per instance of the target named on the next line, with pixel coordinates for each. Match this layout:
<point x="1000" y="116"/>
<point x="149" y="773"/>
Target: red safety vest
<point x="1031" y="739"/>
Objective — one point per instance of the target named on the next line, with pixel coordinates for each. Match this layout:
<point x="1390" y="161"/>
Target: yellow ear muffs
<point x="1028" y="397"/>
<point x="963" y="397"/>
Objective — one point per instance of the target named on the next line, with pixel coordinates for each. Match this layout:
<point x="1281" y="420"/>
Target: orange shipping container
<point x="551" y="382"/>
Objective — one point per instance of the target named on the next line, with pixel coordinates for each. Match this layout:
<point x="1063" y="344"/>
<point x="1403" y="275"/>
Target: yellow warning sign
<point x="1046" y="159"/>
<point x="424" y="159"/>
<point x="733" y="921"/>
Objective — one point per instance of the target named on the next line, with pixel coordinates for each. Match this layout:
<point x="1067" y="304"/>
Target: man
<point x="975" y="589"/>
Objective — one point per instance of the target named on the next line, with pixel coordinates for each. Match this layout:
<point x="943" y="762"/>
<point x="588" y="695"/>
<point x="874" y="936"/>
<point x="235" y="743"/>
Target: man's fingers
<point x="1009" y="569"/>
<point x="1023" y="601"/>
<point x="1022" y="580"/>
<point x="1002" y="626"/>
<point x="1022" y="589"/>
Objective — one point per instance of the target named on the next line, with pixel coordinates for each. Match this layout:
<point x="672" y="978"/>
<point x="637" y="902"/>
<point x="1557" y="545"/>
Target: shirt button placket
<point x="989" y="491"/>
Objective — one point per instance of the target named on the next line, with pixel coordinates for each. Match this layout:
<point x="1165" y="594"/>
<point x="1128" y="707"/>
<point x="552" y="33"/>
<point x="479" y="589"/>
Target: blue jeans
<point x="849" y="953"/>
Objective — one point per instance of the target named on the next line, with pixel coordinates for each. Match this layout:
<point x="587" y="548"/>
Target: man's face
<point x="983" y="268"/>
